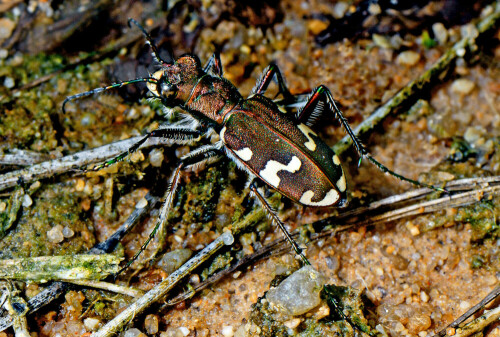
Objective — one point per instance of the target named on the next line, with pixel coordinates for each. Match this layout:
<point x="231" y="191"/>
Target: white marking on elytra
<point x="270" y="171"/>
<point x="310" y="144"/>
<point x="341" y="184"/>
<point x="244" y="154"/>
<point x="336" y="160"/>
<point x="330" y="198"/>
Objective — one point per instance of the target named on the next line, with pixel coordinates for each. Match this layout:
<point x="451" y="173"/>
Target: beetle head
<point x="174" y="82"/>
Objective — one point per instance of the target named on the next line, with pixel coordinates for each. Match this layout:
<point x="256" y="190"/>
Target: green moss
<point x="427" y="41"/>
<point x="483" y="217"/>
<point x="54" y="204"/>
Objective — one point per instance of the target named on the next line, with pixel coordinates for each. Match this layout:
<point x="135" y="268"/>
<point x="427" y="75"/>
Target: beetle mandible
<point x="275" y="147"/>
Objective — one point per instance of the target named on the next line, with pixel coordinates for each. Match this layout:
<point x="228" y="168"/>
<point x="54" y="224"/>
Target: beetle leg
<point x="316" y="105"/>
<point x="195" y="157"/>
<point x="177" y="135"/>
<point x="274" y="217"/>
<point x="214" y="65"/>
<point x="271" y="72"/>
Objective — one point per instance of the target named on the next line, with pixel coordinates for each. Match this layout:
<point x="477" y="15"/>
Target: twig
<point x="48" y="268"/>
<point x="74" y="161"/>
<point x="115" y="288"/>
<point x="480" y="320"/>
<point x="22" y="158"/>
<point x="162" y="289"/>
<point x="488" y="317"/>
<point x="415" y="88"/>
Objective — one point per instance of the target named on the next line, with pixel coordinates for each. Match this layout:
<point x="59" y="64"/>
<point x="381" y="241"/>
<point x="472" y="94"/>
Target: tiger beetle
<point x="274" y="146"/>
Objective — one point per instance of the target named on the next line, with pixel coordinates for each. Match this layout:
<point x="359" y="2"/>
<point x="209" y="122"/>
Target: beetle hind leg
<point x="275" y="218"/>
<point x="316" y="103"/>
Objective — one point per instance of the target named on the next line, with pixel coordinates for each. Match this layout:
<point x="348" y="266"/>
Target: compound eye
<point x="166" y="89"/>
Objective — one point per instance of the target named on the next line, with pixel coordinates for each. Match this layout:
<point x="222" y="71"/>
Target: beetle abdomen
<point x="291" y="158"/>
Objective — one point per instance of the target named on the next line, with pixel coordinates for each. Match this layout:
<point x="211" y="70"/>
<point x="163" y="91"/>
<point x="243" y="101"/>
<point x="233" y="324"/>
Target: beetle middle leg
<point x="272" y="72"/>
<point x="193" y="158"/>
<point x="214" y="65"/>
<point x="275" y="218"/>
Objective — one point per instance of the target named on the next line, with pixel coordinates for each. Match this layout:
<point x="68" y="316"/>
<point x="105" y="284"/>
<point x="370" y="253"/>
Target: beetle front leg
<point x="177" y="135"/>
<point x="271" y="72"/>
<point x="275" y="218"/>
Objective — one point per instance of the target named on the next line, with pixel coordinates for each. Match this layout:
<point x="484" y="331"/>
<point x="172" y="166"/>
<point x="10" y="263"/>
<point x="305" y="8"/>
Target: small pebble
<point x="141" y="203"/>
<point x="174" y="259"/>
<point x="133" y="333"/>
<point x="4" y="53"/>
<point x="227" y="331"/>
<point x="408" y="58"/>
<point x="184" y="330"/>
<point x="181" y="151"/>
<point x="440" y="33"/>
<point x="80" y="185"/>
<point x="381" y="41"/>
<point x="137" y="157"/>
<point x="55" y="235"/>
<point x="9" y="83"/>
<point x="462" y="86"/>
<point x="194" y="279"/>
<point x="322" y="312"/>
<point x="464" y="306"/>
<point x="374" y="9"/>
<point x="412" y="228"/>
<point x="68" y="232"/>
<point x="424" y="297"/>
<point x="132" y="114"/>
<point x="293" y="323"/>
<point x="316" y="26"/>
<point x="6" y="28"/>
<point x="299" y="292"/>
<point x="339" y="9"/>
<point x="27" y="201"/>
<point x="91" y="324"/>
<point x="156" y="157"/>
<point x="151" y="324"/>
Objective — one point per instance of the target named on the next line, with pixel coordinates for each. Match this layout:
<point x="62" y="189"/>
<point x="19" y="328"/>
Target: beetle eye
<point x="165" y="88"/>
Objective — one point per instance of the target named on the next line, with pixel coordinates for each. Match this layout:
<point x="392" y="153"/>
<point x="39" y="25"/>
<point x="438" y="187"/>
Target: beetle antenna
<point x="150" y="42"/>
<point x="101" y="89"/>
